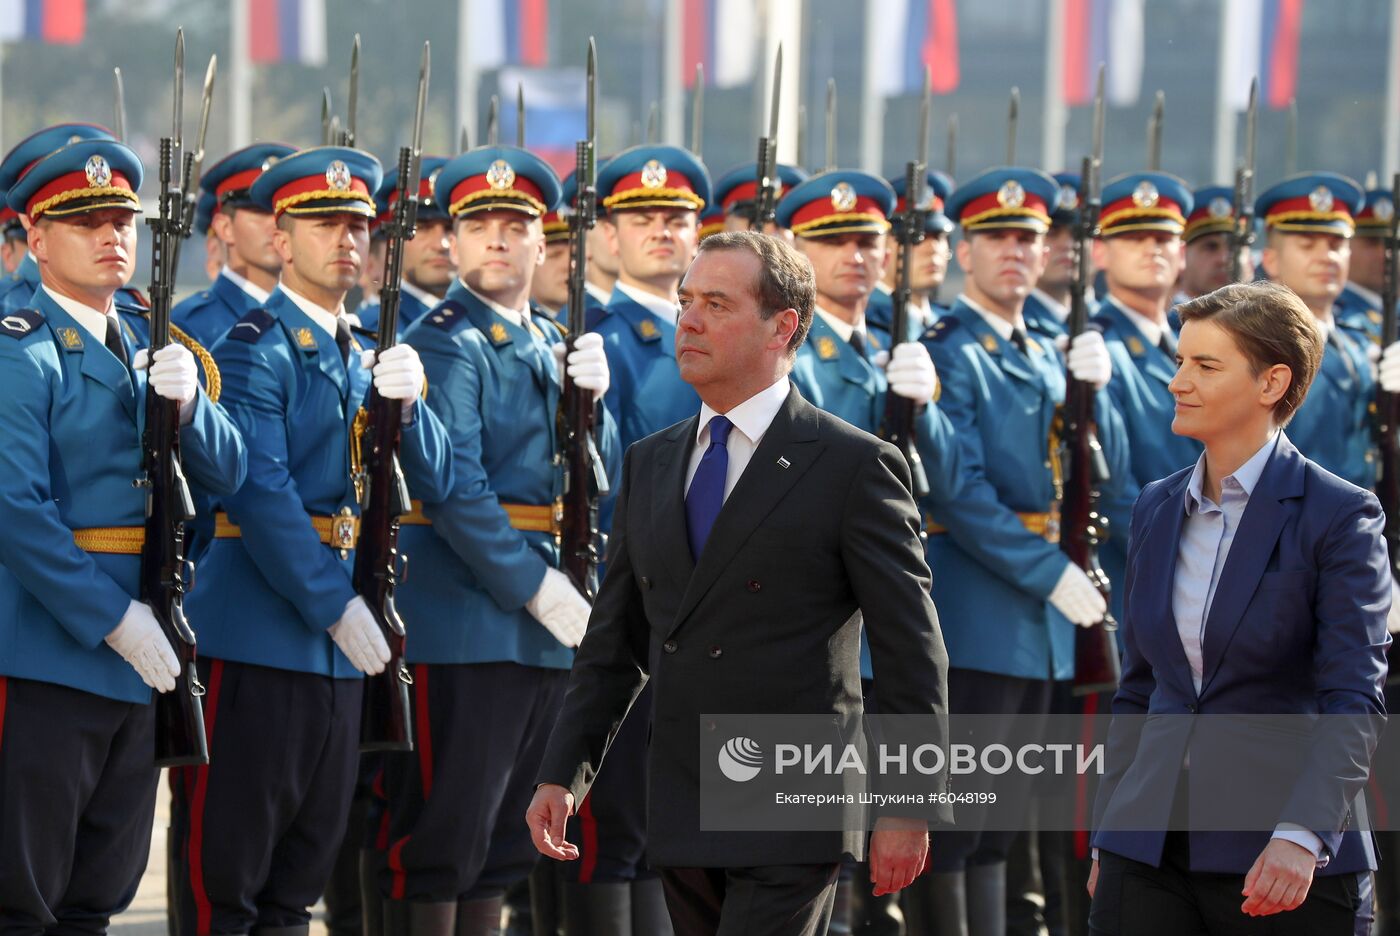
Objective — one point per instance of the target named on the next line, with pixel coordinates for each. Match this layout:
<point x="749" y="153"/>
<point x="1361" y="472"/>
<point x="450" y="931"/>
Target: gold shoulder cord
<point x="212" y="384"/>
<point x="357" y="461"/>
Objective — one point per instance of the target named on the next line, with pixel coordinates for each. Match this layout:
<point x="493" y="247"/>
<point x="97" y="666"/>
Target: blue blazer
<point x="70" y="446"/>
<point x="1297" y="627"/>
<point x="497" y="388"/>
<point x="267" y="598"/>
<point x="993" y="576"/>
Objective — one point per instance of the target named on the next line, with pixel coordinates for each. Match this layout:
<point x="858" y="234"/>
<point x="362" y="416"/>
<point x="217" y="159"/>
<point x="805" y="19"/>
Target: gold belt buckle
<point x="343" y="531"/>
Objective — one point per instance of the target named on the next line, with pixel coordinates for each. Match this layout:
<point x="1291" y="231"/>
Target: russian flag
<point x="507" y="32"/>
<point x="287" y="31"/>
<point x="722" y="35"/>
<point x="917" y="34"/>
<point x="1264" y="38"/>
<point x="57" y="21"/>
<point x="1107" y="31"/>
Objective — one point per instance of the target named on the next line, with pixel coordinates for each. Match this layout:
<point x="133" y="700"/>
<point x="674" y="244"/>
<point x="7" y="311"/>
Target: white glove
<point x="588" y="364"/>
<point x="881" y="359"/>
<point x="1076" y="597"/>
<point x="398" y="373"/>
<point x="358" y="636"/>
<point x="174" y="375"/>
<point x="139" y="641"/>
<point x="1088" y="360"/>
<point x="910" y="372"/>
<point x="1389" y="373"/>
<point x="560" y="608"/>
<point x="1392" y="620"/>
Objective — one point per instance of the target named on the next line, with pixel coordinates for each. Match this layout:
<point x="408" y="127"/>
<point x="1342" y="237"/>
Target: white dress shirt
<point x="323" y="319"/>
<point x="844" y="329"/>
<point x="422" y="295"/>
<point x="596" y="291"/>
<point x="662" y="308"/>
<point x="999" y="323"/>
<point x="515" y="316"/>
<point x="1151" y="329"/>
<point x="751" y="420"/>
<point x="92" y="321"/>
<point x="1053" y="305"/>
<point x="256" y="292"/>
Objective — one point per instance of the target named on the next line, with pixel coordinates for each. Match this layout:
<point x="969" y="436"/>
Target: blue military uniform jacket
<point x="1359" y="312"/>
<point x="646" y="393"/>
<point x="1041" y="321"/>
<point x="1333" y="426"/>
<point x="833" y="376"/>
<point x="595" y="309"/>
<point x="996" y="574"/>
<point x="496" y="386"/>
<point x="411" y="309"/>
<point x="267" y="596"/>
<point x="210" y="313"/>
<point x="70" y="447"/>
<point x="1141" y="373"/>
<point x="879" y="314"/>
<point x="24" y="281"/>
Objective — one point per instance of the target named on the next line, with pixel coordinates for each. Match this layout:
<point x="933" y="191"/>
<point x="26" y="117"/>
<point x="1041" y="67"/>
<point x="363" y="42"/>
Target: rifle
<point x="765" y="210"/>
<point x="326" y="138"/>
<point x="585" y="478"/>
<point x="951" y="159"/>
<point x="1083" y="466"/>
<point x="385" y="717"/>
<point x="1242" y="235"/>
<point x="520" y="115"/>
<point x="897" y="424"/>
<point x="1387" y="424"/>
<point x="180" y="738"/>
<point x="347" y="138"/>
<point x="493" y="121"/>
<point x="192" y="167"/>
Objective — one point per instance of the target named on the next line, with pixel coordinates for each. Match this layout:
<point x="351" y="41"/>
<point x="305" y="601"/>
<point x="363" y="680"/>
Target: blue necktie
<point x="706" y="495"/>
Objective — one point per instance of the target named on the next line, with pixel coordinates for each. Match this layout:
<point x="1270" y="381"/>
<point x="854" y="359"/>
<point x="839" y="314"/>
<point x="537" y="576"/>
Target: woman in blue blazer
<point x="1258" y="584"/>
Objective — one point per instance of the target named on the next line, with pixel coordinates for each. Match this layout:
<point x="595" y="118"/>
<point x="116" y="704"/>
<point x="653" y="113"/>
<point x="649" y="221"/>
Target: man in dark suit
<point x="746" y="539"/>
<point x="1257" y="584"/>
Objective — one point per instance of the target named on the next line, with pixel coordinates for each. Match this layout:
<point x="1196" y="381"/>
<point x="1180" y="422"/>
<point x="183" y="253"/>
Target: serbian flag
<point x="287" y="31"/>
<point x="721" y="35"/>
<point x="912" y="35"/>
<point x="1263" y="37"/>
<point x="507" y="32"/>
<point x="556" y="112"/>
<point x="57" y="21"/>
<point x="1107" y="31"/>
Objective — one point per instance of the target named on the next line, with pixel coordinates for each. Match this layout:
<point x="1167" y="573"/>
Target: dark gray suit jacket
<point x="764" y="623"/>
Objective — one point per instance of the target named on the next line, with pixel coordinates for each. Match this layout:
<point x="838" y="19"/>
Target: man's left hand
<point x="1279" y="880"/>
<point x="898" y="850"/>
<point x="911" y="373"/>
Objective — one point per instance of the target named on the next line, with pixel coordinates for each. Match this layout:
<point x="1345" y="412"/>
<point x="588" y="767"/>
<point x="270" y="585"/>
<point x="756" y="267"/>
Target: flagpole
<point x="872" y="104"/>
<point x="240" y="77"/>
<point x="672" y="90"/>
<point x="1055" y="115"/>
<point x="783" y="26"/>
<point x="1391" y="145"/>
<point x="1225" y="96"/>
<point x="466" y="76"/>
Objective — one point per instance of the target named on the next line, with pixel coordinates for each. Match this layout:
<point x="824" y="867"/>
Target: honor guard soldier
<point x="285" y="638"/>
<point x="1011" y="597"/>
<point x="930" y="263"/>
<point x="1309" y="220"/>
<point x="1140" y="251"/>
<point x="427" y="260"/>
<point x="494" y="619"/>
<point x="80" y="652"/>
<point x="1047" y="307"/>
<point x="839" y="221"/>
<point x="25" y="275"/>
<point x="736" y="198"/>
<point x="1209" y="231"/>
<point x="653" y="196"/>
<point x="249" y="274"/>
<point x="1359" y="307"/>
<point x="14" y="246"/>
<point x="215" y="256"/>
<point x="549" y="288"/>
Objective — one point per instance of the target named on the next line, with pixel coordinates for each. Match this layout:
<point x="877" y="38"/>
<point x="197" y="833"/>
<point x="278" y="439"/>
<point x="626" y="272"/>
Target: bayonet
<point x="950" y="161"/>
<point x="653" y="118"/>
<point x="119" y="116"/>
<point x="697" y="109"/>
<point x="1290" y="153"/>
<point x="326" y="117"/>
<point x="493" y="119"/>
<point x="1154" y="132"/>
<point x="1242" y="234"/>
<point x="802" y="134"/>
<point x="1013" y="117"/>
<point x="830" y="125"/>
<point x="766" y="198"/>
<point x="464" y="140"/>
<point x="520" y="115"/>
<point x="353" y="100"/>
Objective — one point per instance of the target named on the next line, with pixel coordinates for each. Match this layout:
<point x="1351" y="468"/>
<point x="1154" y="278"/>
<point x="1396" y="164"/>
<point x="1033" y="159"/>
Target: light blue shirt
<point x="1206" y="537"/>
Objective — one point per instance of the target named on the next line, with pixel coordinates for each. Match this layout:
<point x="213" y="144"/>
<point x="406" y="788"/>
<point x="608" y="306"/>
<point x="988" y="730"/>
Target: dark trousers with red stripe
<point x="77" y="800"/>
<point x="610" y="826"/>
<point x="257" y="829"/>
<point x="455" y="814"/>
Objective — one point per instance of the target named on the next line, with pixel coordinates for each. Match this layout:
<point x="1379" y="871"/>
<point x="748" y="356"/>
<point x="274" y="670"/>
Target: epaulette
<point x="366" y="333"/>
<point x="558" y="326"/>
<point x="252" y="327"/>
<point x="21" y="322"/>
<point x="942" y="328"/>
<point x="447" y="314"/>
<point x="139" y="299"/>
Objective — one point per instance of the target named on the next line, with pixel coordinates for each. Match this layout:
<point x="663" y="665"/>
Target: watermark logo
<point x="740" y="759"/>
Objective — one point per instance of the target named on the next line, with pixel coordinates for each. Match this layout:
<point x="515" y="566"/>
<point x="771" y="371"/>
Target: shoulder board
<point x="942" y="328"/>
<point x="365" y="333"/>
<point x="21" y="322"/>
<point x="138" y="299"/>
<point x="252" y="327"/>
<point x="447" y="315"/>
<point x="646" y="329"/>
<point x="545" y="321"/>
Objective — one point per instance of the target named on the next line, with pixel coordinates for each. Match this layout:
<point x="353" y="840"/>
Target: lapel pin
<point x="783" y="462"/>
